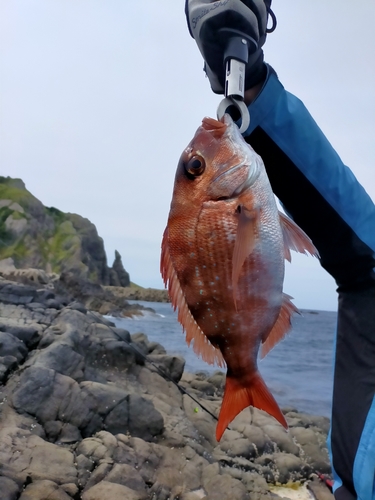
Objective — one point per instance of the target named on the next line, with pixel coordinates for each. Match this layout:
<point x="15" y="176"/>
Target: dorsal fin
<point x="201" y="345"/>
<point x="244" y="244"/>
<point x="281" y="327"/>
<point x="295" y="238"/>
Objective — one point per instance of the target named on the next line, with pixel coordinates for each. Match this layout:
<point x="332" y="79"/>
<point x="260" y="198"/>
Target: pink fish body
<point x="222" y="259"/>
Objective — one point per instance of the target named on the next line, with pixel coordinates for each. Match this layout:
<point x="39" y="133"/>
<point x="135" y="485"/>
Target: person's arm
<point x="317" y="190"/>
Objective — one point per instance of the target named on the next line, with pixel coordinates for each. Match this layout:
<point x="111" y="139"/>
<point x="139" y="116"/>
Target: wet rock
<point x="192" y="495"/>
<point x="305" y="420"/>
<point x="210" y="472"/>
<point x="78" y="306"/>
<point x="203" y="386"/>
<point x="50" y="396"/>
<point x="30" y="334"/>
<point x="255" y="483"/>
<point x="36" y="306"/>
<point x="201" y="420"/>
<point x="43" y="490"/>
<point x="137" y="416"/>
<point x="91" y="449"/>
<point x="41" y="392"/>
<point x="54" y="304"/>
<point x="15" y="293"/>
<point x="9" y="489"/>
<point x="314" y="449"/>
<point x="147" y="457"/>
<point x="281" y="438"/>
<point x="160" y="491"/>
<point x="114" y="491"/>
<point x="290" y="467"/>
<point x="12" y="346"/>
<point x="69" y="434"/>
<point x="230" y="435"/>
<point x="84" y="467"/>
<point x="105" y="397"/>
<point x="62" y="358"/>
<point x="156" y="348"/>
<point x="224" y="487"/>
<point x="85" y="413"/>
<point x="107" y="351"/>
<point x="237" y="462"/>
<point x="71" y="489"/>
<point x="260" y="418"/>
<point x="127" y="476"/>
<point x="23" y="454"/>
<point x="7" y="364"/>
<point x="171" y="365"/>
<point x="217" y="380"/>
<point x="257" y="437"/>
<point x="180" y="469"/>
<point x="53" y="429"/>
<point x="239" y="448"/>
<point x="142" y="342"/>
<point x="122" y="334"/>
<point x="97" y="475"/>
<point x="155" y="384"/>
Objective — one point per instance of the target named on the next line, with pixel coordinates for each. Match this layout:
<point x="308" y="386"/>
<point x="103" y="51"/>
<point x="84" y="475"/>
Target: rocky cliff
<point x="88" y="411"/>
<point x="35" y="236"/>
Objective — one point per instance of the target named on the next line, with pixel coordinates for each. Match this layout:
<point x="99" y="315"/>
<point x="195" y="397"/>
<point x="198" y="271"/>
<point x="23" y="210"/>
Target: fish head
<point x="216" y="165"/>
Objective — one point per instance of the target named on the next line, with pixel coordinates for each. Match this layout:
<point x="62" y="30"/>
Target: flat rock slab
<point x="23" y="454"/>
<point x="112" y="491"/>
<point x="9" y="489"/>
<point x="44" y="490"/>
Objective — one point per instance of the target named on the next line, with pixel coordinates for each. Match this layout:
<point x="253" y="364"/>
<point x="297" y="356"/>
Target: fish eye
<point x="195" y="166"/>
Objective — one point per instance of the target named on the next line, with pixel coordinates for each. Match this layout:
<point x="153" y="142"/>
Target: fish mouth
<point x="215" y="127"/>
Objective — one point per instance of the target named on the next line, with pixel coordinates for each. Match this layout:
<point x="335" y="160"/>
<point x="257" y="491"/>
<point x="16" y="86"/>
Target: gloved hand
<point x="211" y="24"/>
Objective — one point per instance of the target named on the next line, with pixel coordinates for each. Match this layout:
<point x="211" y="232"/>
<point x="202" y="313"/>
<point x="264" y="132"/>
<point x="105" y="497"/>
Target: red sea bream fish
<point x="222" y="259"/>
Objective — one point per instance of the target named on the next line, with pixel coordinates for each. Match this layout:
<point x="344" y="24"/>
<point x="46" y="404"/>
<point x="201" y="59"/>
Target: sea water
<point x="299" y="370"/>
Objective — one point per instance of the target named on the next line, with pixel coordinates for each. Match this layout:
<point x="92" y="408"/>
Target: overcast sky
<point x="99" y="98"/>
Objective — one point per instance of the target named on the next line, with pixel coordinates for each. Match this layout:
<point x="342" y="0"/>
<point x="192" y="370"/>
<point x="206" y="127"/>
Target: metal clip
<point x="242" y="108"/>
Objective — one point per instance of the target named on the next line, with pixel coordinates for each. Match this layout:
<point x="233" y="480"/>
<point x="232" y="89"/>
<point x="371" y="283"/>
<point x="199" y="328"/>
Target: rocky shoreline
<point x="83" y="415"/>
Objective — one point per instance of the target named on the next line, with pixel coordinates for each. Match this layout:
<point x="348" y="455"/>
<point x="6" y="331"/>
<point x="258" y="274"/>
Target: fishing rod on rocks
<point x="323" y="478"/>
<point x="164" y="374"/>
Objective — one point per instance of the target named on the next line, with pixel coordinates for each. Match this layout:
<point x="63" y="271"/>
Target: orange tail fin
<point x="237" y="397"/>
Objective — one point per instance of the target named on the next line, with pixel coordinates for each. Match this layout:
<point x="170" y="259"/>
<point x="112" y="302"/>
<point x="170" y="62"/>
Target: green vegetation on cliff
<point x="44" y="237"/>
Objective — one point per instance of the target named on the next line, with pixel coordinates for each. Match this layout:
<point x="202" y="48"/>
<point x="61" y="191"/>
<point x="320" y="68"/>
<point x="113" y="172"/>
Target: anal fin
<point x="237" y="397"/>
<point x="281" y="327"/>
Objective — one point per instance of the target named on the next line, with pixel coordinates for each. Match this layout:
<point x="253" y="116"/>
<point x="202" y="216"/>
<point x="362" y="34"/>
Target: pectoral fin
<point x="245" y="242"/>
<point x="295" y="238"/>
<point x="201" y="345"/>
<point x="281" y="327"/>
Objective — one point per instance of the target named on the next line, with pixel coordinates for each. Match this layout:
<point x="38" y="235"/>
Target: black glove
<point x="212" y="24"/>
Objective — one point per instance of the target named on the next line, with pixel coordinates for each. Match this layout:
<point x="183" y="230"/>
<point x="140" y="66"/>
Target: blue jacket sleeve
<point x="319" y="192"/>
